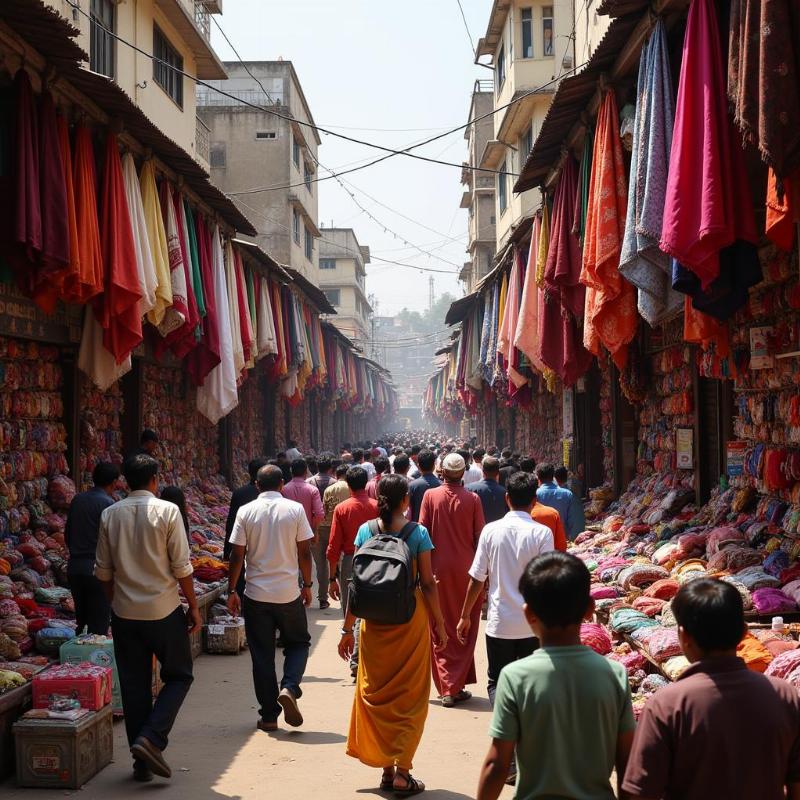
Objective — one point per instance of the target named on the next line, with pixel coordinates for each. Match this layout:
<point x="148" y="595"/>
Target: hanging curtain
<point x="161" y="314"/>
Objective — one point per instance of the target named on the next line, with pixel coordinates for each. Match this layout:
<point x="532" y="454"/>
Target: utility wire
<point x="466" y="28"/>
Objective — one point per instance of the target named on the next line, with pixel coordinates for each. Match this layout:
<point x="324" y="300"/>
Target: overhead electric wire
<point x="466" y="28"/>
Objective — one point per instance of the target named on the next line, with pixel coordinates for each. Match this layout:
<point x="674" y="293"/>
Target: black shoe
<point x="144" y="750"/>
<point x="323" y="605"/>
<point x="141" y="772"/>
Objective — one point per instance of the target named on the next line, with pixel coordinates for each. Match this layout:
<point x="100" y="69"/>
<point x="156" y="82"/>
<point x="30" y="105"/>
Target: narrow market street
<point x="216" y="752"/>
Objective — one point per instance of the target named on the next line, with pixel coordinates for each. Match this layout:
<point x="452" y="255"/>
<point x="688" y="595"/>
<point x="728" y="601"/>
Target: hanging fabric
<point x="642" y="262"/>
<point x="610" y="318"/>
<point x="218" y="395"/>
<point x="178" y="314"/>
<point x="505" y="344"/>
<point x="233" y="310"/>
<point x="71" y="277"/>
<point x="582" y="191"/>
<point x="194" y="257"/>
<point x="267" y="339"/>
<point x="763" y="79"/>
<point x="528" y="322"/>
<point x="161" y="314"/>
<point x="783" y="211"/>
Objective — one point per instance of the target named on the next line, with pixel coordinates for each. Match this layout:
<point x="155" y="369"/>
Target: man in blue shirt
<point x="551" y="494"/>
<point x="576" y="514"/>
<point x="92" y="609"/>
<point x="491" y="494"/>
<point x="426" y="461"/>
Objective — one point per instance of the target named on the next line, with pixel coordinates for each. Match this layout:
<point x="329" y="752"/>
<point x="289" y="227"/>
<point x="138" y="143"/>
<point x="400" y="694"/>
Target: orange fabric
<point x="753" y="653"/>
<point x="783" y="215"/>
<point x="552" y="519"/>
<point x="89" y="281"/>
<point x="610" y="318"/>
<point x="73" y="271"/>
<point x="703" y="329"/>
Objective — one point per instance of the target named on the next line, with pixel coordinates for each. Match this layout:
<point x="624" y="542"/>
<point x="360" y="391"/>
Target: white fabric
<point x="174" y="318"/>
<point x="473" y="474"/>
<point x="93" y="358"/>
<point x="145" y="267"/>
<point x="267" y="338"/>
<point x="218" y="395"/>
<point x="234" y="323"/>
<point x="504" y="549"/>
<point x="270" y="528"/>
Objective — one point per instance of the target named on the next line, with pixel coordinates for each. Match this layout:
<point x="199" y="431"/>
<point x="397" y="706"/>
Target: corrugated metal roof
<point x="44" y="29"/>
<point x="262" y="257"/>
<point x="571" y="99"/>
<point x="621" y="8"/>
<point x="459" y="309"/>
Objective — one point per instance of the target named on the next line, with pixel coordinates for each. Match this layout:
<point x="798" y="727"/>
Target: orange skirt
<point x="392" y="691"/>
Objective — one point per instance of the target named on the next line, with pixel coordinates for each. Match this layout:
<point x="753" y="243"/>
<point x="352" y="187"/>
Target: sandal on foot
<point x="387" y="784"/>
<point x="462" y="696"/>
<point x="413" y="786"/>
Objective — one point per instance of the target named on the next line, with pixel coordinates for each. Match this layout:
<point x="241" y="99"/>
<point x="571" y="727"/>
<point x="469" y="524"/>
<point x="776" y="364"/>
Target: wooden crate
<point x="59" y="754"/>
<point x="223" y="638"/>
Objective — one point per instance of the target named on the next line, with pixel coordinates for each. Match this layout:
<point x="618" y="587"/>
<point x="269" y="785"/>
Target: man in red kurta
<point x="454" y="519"/>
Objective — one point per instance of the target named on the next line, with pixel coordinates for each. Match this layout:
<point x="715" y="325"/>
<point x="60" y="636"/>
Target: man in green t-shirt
<point x="565" y="709"/>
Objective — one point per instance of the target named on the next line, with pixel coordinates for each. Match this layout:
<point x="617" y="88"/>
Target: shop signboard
<point x="735" y="458"/>
<point x="20" y="317"/>
<point x="684" y="445"/>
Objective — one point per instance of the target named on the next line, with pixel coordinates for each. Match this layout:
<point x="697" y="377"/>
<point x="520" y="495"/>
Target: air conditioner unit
<point x="566" y="62"/>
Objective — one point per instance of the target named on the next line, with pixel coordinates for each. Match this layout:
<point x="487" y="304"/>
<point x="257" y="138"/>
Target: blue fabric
<point x="418" y="542"/>
<point x="493" y="499"/>
<point x="551" y="494"/>
<point x="416" y="491"/>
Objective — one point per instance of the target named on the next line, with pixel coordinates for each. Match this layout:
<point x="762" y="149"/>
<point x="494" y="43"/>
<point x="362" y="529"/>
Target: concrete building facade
<point x="479" y="194"/>
<point x="342" y="277"/>
<point x="177" y="33"/>
<point x="271" y="151"/>
<point x="530" y="45"/>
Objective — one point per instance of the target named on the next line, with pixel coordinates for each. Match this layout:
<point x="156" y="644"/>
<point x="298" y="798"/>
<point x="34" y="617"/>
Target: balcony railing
<point x="202" y="18"/>
<point x="202" y="140"/>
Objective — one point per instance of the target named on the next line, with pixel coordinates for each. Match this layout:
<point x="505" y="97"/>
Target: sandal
<point x="387" y="784"/>
<point x="413" y="786"/>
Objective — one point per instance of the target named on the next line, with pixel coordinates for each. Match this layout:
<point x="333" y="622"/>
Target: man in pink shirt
<point x="382" y="468"/>
<point x="309" y="497"/>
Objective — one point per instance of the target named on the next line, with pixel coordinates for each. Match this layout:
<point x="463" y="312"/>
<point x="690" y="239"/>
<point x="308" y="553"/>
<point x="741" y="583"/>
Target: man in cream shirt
<point x="142" y="558"/>
<point x="274" y="533"/>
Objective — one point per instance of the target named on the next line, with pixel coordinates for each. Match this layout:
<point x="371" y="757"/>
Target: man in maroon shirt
<point x="720" y="731"/>
<point x="348" y="517"/>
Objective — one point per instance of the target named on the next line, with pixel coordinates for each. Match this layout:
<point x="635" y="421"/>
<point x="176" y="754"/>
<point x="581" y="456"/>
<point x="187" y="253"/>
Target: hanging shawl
<point x="243" y="308"/>
<point x="486" y="333"/>
<point x="267" y="338"/>
<point x="498" y="368"/>
<point x="505" y="344"/>
<point x="763" y="78"/>
<point x="218" y="395"/>
<point x="162" y="313"/>
<point x="701" y="210"/>
<point x="81" y="288"/>
<point x="232" y="294"/>
<point x="473" y="376"/>
<point x="251" y="282"/>
<point x="146" y="270"/>
<point x="709" y="226"/>
<point x="582" y="190"/>
<point x="71" y="277"/>
<point x="206" y="356"/>
<point x="642" y="263"/>
<point x="194" y="257"/>
<point x="118" y="309"/>
<point x="561" y="348"/>
<point x="783" y="213"/>
<point x="610" y="318"/>
<point x="177" y="316"/>
<point x="528" y="322"/>
<point x="541" y="262"/>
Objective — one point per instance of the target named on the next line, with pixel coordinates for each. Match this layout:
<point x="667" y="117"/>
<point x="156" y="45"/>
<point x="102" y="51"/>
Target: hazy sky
<point x="405" y="68"/>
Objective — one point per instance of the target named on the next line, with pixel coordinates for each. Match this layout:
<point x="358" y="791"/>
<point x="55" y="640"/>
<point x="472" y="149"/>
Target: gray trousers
<point x="318" y="551"/>
<point x="345" y="573"/>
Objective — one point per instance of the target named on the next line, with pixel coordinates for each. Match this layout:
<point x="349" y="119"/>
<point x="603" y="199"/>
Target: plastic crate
<point x="224" y="638"/>
<point x="61" y="754"/>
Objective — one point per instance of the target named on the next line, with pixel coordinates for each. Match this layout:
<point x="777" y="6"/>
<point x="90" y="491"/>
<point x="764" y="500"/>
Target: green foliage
<point x="432" y="319"/>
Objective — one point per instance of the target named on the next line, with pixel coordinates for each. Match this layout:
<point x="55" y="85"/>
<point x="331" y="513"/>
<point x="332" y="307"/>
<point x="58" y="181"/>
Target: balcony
<point x="202" y="140"/>
<point x="192" y="21"/>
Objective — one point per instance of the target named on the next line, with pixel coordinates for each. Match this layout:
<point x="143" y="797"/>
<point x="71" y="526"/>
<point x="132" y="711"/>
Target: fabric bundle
<point x="648" y="605"/>
<point x="596" y="637"/>
<point x="639" y="575"/>
<point x="610" y="308"/>
<point x="664" y="589"/>
<point x="772" y="601"/>
<point x="734" y="559"/>
<point x="754" y="653"/>
<point x="675" y="667"/>
<point x="664" y="644"/>
<point x="627" y="620"/>
<point x="603" y="592"/>
<point x="754" y="578"/>
<point x="783" y="665"/>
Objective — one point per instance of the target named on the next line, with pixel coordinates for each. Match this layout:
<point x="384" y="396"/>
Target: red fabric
<point x="88" y="282"/>
<point x="783" y="213"/>
<point x="708" y="203"/>
<point x="347" y="518"/>
<point x="245" y="325"/>
<point x="118" y="310"/>
<point x="72" y="274"/>
<point x="206" y="356"/>
<point x="454" y="518"/>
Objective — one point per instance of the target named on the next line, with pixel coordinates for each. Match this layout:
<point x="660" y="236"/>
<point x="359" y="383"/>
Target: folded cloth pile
<point x="648" y="605"/>
<point x="596" y="637"/>
<point x="640" y="574"/>
<point x="784" y="665"/>
<point x="773" y="601"/>
<point x="754" y="653"/>
<point x="628" y="620"/>
<point x="665" y="589"/>
<point x="663" y="644"/>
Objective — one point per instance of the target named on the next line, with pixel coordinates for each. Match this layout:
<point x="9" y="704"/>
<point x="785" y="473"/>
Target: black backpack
<point x="382" y="585"/>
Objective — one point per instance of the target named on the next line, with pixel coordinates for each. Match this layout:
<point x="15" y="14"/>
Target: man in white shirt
<point x="504" y="549"/>
<point x="275" y="535"/>
<point x="142" y="558"/>
<point x="474" y="472"/>
<point x="292" y="453"/>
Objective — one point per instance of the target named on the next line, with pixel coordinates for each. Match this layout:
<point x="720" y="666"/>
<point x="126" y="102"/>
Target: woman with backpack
<point x="394" y="670"/>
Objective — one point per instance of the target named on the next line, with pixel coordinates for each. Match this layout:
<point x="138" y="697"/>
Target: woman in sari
<point x="394" y="668"/>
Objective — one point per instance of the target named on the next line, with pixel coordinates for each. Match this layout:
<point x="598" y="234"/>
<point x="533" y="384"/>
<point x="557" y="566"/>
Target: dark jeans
<point x="319" y="552"/>
<point x="261" y="620"/>
<point x="92" y="610"/>
<point x="501" y="652"/>
<point x="135" y="643"/>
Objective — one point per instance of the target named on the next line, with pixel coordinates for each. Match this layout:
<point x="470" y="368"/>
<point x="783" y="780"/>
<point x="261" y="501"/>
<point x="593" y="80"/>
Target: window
<point x="525" y="146"/>
<point x="502" y="188"/>
<point x="307" y="176"/>
<point x="296" y="152"/>
<point x="332" y="296"/>
<point x="101" y="42"/>
<point x="265" y="134"/>
<point x="327" y="263"/>
<point x="527" y="33"/>
<point x="166" y="63"/>
<point x="547" y="30"/>
<point x="296" y="225"/>
<point x="501" y="67"/>
<point x="309" y="245"/>
<point x="217" y="155"/>
<point x="492" y="220"/>
<point x="488" y="262"/>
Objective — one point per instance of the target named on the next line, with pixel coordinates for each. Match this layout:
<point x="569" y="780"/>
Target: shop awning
<point x="45" y="30"/>
<point x="442" y="350"/>
<point x="262" y="257"/>
<point x="459" y="309"/>
<point x="314" y="293"/>
<point x="620" y="8"/>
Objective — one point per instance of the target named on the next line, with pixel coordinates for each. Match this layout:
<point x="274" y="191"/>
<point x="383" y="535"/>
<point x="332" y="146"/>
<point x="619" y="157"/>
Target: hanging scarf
<point x="783" y="212"/>
<point x="71" y="277"/>
<point x="610" y="318"/>
<point x="505" y="344"/>
<point x="178" y="314"/>
<point x="243" y="310"/>
<point x="161" y="313"/>
<point x="582" y="191"/>
<point x="232" y="294"/>
<point x="267" y="338"/>
<point x="218" y="395"/>
<point x="642" y="263"/>
<point x="197" y="277"/>
<point x="528" y="322"/>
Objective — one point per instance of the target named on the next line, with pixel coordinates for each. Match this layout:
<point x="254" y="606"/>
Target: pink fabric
<point x="707" y="204"/>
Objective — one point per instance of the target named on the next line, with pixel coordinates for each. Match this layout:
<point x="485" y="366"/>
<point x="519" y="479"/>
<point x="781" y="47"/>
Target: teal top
<point x="418" y="542"/>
